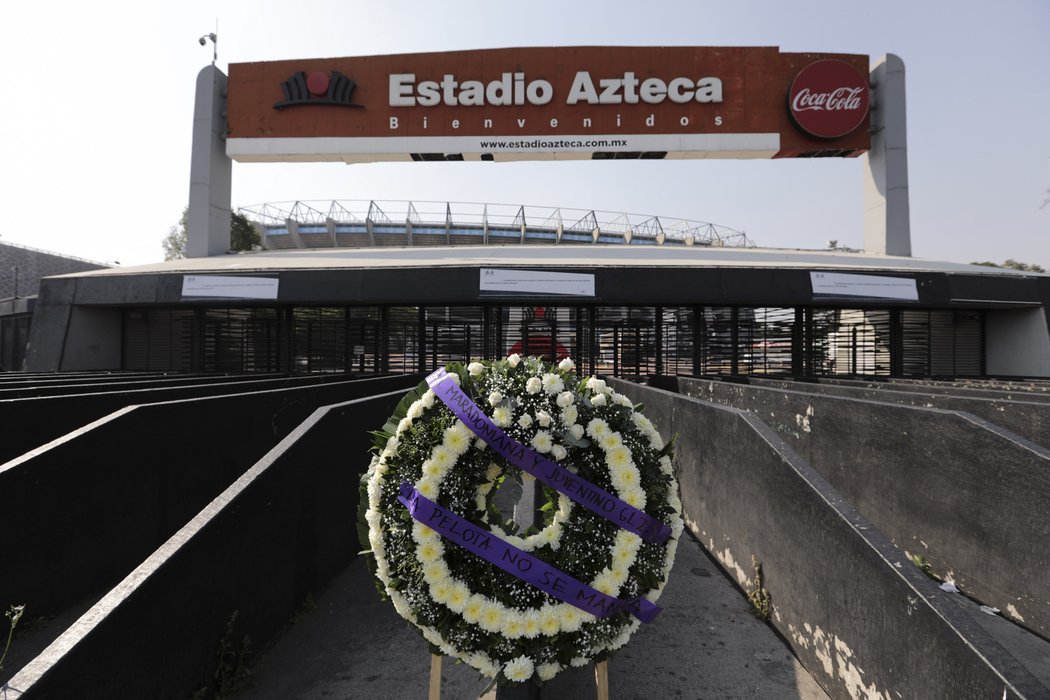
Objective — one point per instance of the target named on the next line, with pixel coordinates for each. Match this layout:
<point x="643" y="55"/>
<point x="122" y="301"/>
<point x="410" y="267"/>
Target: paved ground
<point x="705" y="644"/>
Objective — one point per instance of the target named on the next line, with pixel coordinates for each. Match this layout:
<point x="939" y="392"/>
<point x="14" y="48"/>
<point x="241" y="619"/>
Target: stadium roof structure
<point x="371" y="223"/>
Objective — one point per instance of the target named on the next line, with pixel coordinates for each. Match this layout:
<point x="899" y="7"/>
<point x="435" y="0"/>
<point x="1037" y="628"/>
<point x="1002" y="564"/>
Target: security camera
<point x="202" y="41"/>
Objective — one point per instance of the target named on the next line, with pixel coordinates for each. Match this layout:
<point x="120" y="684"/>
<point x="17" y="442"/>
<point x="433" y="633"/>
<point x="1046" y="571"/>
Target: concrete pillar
<point x="211" y="170"/>
<point x="887" y="230"/>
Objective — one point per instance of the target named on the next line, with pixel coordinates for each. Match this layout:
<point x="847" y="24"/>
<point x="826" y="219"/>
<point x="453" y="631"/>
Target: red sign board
<point x="829" y="98"/>
<point x="593" y="102"/>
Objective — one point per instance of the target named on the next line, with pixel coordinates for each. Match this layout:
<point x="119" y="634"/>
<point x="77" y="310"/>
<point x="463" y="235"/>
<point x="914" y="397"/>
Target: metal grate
<point x="632" y="341"/>
<point x="158" y="340"/>
<point x="242" y="340"/>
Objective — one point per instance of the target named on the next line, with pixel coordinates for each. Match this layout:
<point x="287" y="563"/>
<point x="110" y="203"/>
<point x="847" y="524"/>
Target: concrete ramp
<point x="92" y="505"/>
<point x="279" y="532"/>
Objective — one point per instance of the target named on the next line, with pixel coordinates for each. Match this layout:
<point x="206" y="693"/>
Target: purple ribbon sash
<point x="518" y="563"/>
<point x="550" y="473"/>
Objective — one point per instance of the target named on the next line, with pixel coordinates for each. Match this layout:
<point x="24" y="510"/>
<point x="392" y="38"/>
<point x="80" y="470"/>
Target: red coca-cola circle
<point x="829" y="98"/>
<point x="317" y="83"/>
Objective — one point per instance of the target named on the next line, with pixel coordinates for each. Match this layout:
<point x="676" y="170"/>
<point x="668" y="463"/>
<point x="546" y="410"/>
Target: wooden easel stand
<point x="601" y="680"/>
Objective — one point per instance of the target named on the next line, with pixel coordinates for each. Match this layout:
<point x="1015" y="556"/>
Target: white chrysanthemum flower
<point x="605" y="586"/>
<point x="427" y="487"/>
<point x="454" y="377"/>
<point x="513" y="359"/>
<point x="415" y="410"/>
<point x="401" y="604"/>
<point x="618" y="458"/>
<point x="457" y="438"/>
<point x="542" y="442"/>
<point x="559" y="452"/>
<point x="566" y="365"/>
<point x="551" y="535"/>
<point x="519" y="670"/>
<point x="475" y="369"/>
<point x="564" y="507"/>
<point x="610" y="441"/>
<point x="513" y="624"/>
<point x="427" y="399"/>
<point x="576" y="430"/>
<point x="566" y="398"/>
<point x="421" y="533"/>
<point x="579" y="662"/>
<point x="543" y="418"/>
<point x="621" y="400"/>
<point x="458" y="597"/>
<point x="553" y="383"/>
<point x="597" y="428"/>
<point x="547" y="671"/>
<point x="598" y="400"/>
<point x="441" y="590"/>
<point x="530" y="621"/>
<point x="571" y="617"/>
<point x="501" y="416"/>
<point x="404" y="424"/>
<point x="493" y="472"/>
<point x="525" y="421"/>
<point x="569" y="415"/>
<point x="491" y="616"/>
<point x="473" y="608"/>
<point x="428" y="552"/>
<point x="549" y="620"/>
<point x="483" y="664"/>
<point x="534" y="385"/>
<point x="443" y="458"/>
<point x="643" y="423"/>
<point x="633" y="497"/>
<point x="432" y="469"/>
<point x="665" y="465"/>
<point x="494" y="398"/>
<point x="435" y="570"/>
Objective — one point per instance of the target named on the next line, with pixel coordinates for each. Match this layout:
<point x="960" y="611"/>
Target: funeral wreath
<point x="520" y="604"/>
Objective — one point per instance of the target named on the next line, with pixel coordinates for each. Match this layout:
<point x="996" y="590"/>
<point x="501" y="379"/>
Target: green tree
<point x="243" y="236"/>
<point x="1012" y="264"/>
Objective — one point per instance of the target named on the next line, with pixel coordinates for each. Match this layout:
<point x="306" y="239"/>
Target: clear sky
<point x="96" y="117"/>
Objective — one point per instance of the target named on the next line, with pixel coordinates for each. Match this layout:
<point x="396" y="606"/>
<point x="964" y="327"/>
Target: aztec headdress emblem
<point x="318" y="88"/>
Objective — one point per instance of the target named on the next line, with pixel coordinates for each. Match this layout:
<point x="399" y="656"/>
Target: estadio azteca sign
<point x="554" y="103"/>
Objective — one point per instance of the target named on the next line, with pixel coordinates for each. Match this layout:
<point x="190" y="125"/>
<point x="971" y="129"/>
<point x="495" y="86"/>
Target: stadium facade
<point x="383" y="288"/>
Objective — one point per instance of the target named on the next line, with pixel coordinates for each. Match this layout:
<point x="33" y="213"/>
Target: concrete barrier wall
<point x="40" y="420"/>
<point x="1030" y="419"/>
<point x="1019" y="394"/>
<point x="969" y="497"/>
<point x="862" y="619"/>
<point x="89" y="508"/>
<point x="277" y="534"/>
<point x="115" y="383"/>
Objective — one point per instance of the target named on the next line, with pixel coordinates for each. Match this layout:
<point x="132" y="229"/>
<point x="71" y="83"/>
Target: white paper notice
<point x="497" y="281"/>
<point x="837" y="284"/>
<point x="229" y="287"/>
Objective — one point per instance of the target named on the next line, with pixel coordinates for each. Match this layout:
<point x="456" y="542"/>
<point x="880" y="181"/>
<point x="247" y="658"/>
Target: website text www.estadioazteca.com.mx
<point x="553" y="143"/>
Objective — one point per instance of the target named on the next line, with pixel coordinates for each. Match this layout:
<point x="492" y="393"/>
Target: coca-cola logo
<point x="829" y="98"/>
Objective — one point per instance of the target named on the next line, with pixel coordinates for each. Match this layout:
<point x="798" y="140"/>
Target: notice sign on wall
<point x="229" y="287"/>
<point x="839" y="285"/>
<point x="536" y="282"/>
